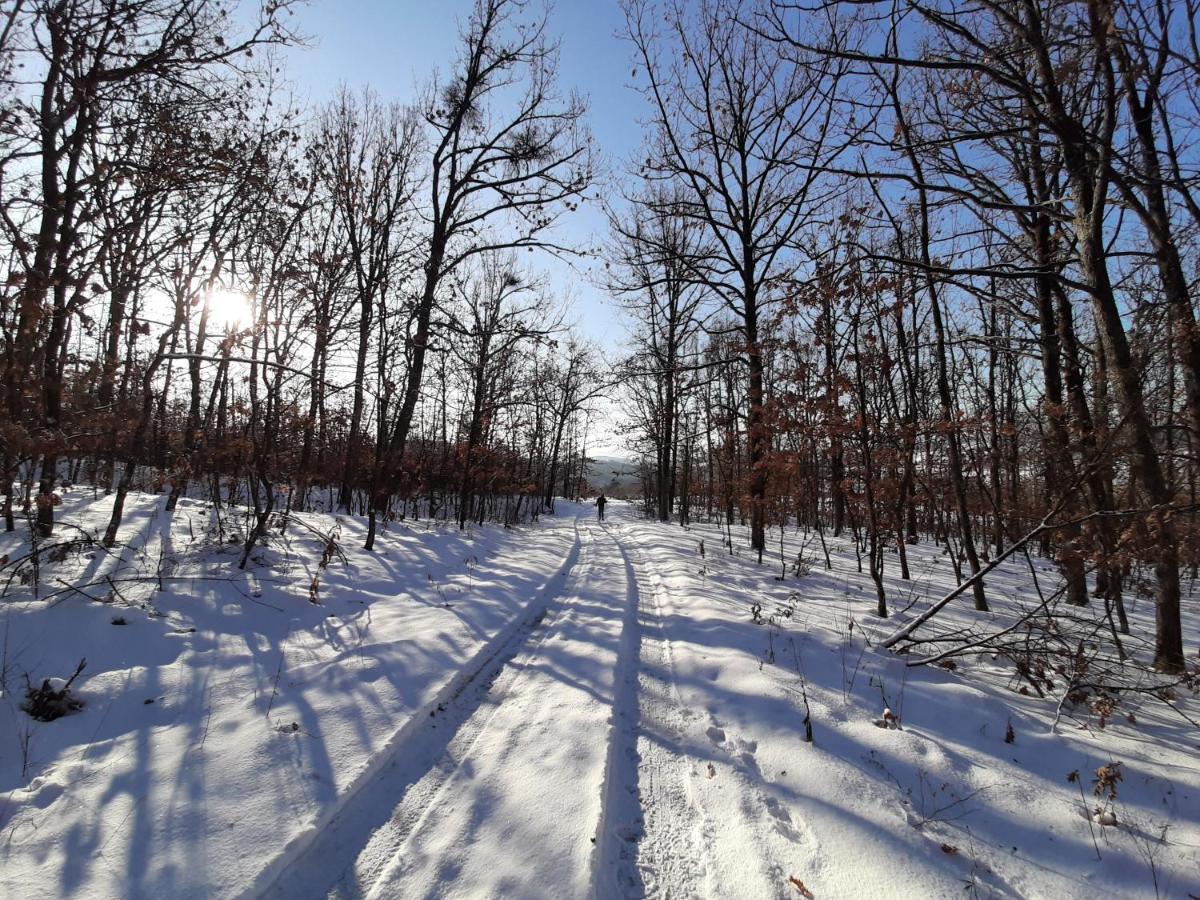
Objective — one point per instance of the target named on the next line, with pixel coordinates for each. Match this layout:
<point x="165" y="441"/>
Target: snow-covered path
<point x="639" y="735"/>
<point x="537" y="751"/>
<point x="574" y="709"/>
<point x="572" y="764"/>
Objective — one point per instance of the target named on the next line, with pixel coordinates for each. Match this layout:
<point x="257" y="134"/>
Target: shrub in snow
<point x="1105" y="817"/>
<point x="888" y="720"/>
<point x="53" y="699"/>
<point x="1105" y="785"/>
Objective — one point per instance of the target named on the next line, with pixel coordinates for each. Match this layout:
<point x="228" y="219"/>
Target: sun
<point x="228" y="307"/>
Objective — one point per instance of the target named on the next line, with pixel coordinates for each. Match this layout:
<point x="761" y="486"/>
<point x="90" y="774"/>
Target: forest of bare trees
<point x="213" y="290"/>
<point x="904" y="269"/>
<point x="716" y="448"/>
<point x="894" y="269"/>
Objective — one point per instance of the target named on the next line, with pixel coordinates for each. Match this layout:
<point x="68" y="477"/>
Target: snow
<point x="868" y="811"/>
<point x="572" y="708"/>
<point x="205" y="790"/>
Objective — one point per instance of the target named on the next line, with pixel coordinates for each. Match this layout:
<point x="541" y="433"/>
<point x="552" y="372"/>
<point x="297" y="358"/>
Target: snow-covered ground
<point x="559" y="710"/>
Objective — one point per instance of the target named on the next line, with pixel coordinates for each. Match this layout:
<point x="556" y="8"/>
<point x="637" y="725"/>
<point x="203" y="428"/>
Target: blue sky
<point x="394" y="45"/>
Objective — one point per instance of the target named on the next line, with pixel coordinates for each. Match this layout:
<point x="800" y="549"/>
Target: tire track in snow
<point x="344" y="857"/>
<point x="621" y="826"/>
<point x="672" y="852"/>
<point x="508" y="813"/>
<point x="747" y="838"/>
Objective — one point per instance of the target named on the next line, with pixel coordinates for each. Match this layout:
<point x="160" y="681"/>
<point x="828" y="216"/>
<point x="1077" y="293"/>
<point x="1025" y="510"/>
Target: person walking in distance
<point x="600" y="501"/>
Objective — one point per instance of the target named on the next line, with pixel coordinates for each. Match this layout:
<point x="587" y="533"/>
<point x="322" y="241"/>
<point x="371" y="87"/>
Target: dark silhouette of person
<point x="600" y="501"/>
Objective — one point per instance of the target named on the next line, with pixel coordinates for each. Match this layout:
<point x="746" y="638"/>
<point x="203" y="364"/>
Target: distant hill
<point x="614" y="475"/>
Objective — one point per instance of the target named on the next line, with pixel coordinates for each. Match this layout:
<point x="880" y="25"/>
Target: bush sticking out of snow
<point x="50" y="701"/>
<point x="888" y="720"/>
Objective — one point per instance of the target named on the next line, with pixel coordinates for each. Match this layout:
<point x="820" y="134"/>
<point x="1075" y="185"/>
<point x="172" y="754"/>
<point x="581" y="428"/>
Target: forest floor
<point x="567" y="709"/>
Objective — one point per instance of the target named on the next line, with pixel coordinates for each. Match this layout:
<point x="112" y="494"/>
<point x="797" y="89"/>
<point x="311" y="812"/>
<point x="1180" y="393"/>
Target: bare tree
<point x="654" y="255"/>
<point x="495" y="159"/>
<point x="498" y="310"/>
<point x="91" y="57"/>
<point x="368" y="152"/>
<point x="741" y="135"/>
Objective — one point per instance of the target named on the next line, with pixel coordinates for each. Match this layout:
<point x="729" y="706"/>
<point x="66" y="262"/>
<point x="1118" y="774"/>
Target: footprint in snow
<point x="47" y="795"/>
<point x="783" y="820"/>
<point x="743" y="747"/>
<point x="41" y="792"/>
<point x="735" y="746"/>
